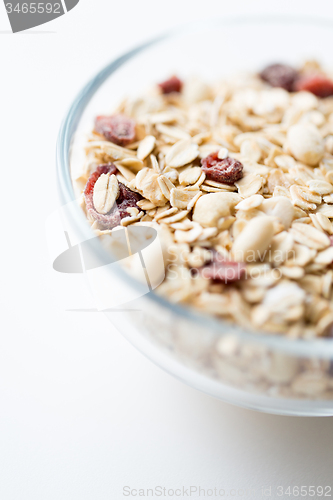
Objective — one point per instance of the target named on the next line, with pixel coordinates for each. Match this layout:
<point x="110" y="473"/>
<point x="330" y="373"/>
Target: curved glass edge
<point x="319" y="347"/>
<point x="229" y="394"/>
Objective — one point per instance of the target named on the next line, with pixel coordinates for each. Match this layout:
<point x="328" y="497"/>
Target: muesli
<point x="237" y="177"/>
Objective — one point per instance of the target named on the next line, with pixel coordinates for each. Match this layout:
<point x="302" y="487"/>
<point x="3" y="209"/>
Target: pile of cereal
<point x="238" y="179"/>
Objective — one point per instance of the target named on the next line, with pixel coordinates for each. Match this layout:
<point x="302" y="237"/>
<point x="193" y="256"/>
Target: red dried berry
<point x="171" y="85"/>
<point x="118" y="129"/>
<point x="227" y="170"/>
<point x="126" y="199"/>
<point x="221" y="270"/>
<point x="319" y="85"/>
<point x="280" y="75"/>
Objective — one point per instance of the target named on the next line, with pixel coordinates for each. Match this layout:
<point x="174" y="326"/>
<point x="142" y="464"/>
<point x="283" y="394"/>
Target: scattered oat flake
<point x="221" y="270"/>
<point x="146" y="146"/>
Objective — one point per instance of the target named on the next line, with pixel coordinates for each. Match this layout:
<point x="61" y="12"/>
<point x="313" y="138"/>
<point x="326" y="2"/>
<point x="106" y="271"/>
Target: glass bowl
<point x="263" y="372"/>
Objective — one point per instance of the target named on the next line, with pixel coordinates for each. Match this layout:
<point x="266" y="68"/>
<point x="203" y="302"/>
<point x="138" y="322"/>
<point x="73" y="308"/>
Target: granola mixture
<point x="237" y="177"/>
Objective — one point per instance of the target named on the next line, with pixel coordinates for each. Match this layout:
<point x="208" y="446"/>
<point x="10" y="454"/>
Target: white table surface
<point x="82" y="414"/>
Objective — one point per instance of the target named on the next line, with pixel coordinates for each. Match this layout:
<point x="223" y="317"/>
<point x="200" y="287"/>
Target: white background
<point x="82" y="414"/>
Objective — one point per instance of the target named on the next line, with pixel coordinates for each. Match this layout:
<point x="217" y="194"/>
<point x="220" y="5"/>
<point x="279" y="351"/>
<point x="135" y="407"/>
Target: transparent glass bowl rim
<point x="317" y="347"/>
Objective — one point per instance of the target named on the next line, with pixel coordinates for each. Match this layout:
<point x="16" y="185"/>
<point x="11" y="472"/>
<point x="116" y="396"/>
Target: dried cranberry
<point x="171" y="85"/>
<point x="126" y="199"/>
<point x="227" y="170"/>
<point x="118" y="129"/>
<point x="280" y="75"/>
<point x="223" y="270"/>
<point x="328" y="333"/>
<point x="319" y="85"/>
